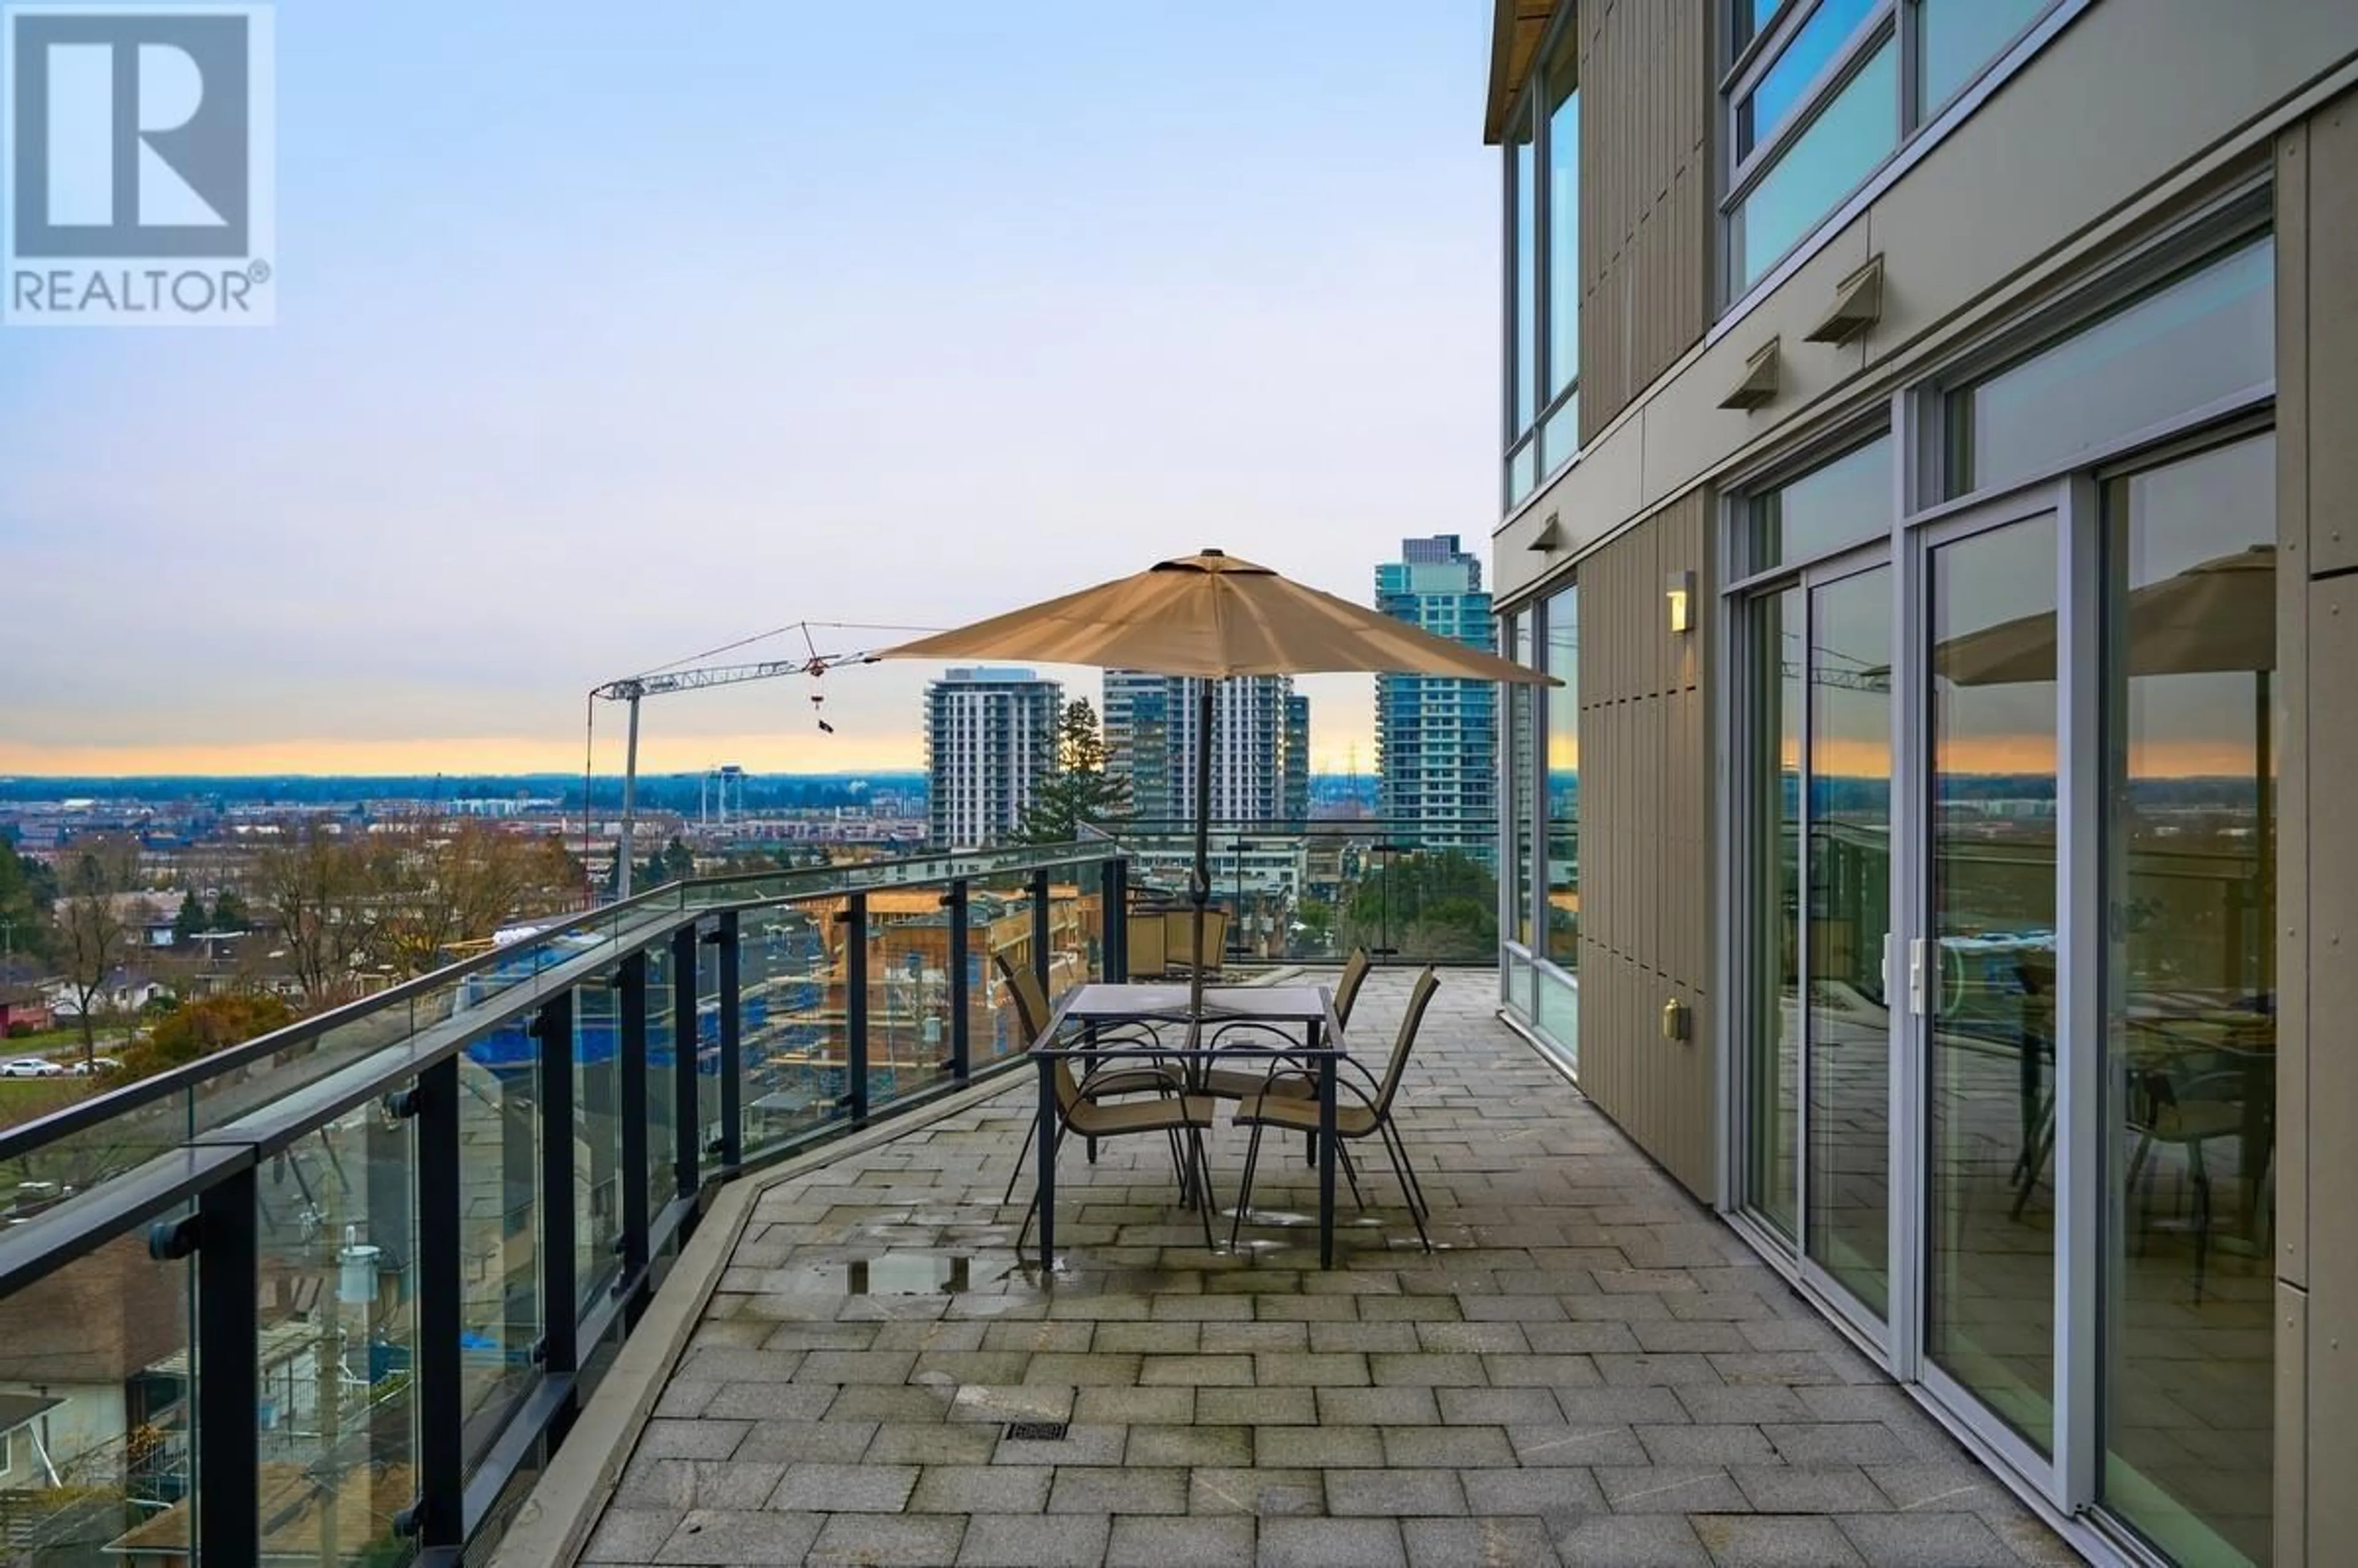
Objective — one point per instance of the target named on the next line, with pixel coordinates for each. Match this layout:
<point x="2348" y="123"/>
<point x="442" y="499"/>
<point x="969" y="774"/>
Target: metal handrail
<point x="31" y="1137"/>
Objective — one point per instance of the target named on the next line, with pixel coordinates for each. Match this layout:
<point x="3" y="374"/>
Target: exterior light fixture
<point x="1679" y="588"/>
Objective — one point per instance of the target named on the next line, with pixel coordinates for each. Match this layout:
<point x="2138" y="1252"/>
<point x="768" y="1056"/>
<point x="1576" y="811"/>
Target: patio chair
<point x="2186" y="1112"/>
<point x="1371" y="1118"/>
<point x="1031" y="1016"/>
<point x="1179" y="938"/>
<point x="1182" y="1119"/>
<point x="1149" y="955"/>
<point x="1284" y="1075"/>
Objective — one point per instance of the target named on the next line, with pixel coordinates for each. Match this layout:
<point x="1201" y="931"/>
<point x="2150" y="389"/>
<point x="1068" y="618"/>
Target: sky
<point x="608" y="334"/>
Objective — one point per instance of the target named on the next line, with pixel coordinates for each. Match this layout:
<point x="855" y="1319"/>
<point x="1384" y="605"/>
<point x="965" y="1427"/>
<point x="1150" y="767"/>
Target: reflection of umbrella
<point x="2217" y="617"/>
<point x="1213" y="616"/>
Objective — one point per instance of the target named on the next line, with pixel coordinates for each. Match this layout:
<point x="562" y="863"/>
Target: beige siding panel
<point x="2292" y="697"/>
<point x="2332" y="364"/>
<point x="2332" y="1259"/>
<point x="1644" y="884"/>
<point x="1645" y="122"/>
<point x="2291" y="1541"/>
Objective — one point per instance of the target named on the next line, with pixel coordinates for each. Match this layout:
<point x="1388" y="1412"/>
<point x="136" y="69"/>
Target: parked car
<point x="30" y="1067"/>
<point x="95" y="1067"/>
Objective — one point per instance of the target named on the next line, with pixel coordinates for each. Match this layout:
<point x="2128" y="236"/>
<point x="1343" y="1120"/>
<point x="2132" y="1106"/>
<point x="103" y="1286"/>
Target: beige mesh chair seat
<point x="1370" y="1118"/>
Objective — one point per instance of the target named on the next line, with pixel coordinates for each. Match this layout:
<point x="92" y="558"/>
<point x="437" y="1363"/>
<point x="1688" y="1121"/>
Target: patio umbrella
<point x="1213" y="616"/>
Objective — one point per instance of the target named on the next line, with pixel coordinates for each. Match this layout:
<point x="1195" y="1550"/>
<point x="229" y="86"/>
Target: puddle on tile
<point x="896" y="1274"/>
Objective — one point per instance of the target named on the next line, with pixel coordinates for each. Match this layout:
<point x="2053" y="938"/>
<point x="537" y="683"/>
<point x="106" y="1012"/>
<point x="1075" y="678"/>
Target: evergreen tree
<point x="1080" y="792"/>
<point x="191" y="919"/>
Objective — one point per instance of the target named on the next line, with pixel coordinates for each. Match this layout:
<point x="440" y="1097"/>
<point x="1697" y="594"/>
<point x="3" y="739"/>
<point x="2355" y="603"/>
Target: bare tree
<point x="93" y="937"/>
<point x="448" y="887"/>
<point x="323" y="892"/>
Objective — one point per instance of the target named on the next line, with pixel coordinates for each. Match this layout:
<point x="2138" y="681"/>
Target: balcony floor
<point x="1591" y="1369"/>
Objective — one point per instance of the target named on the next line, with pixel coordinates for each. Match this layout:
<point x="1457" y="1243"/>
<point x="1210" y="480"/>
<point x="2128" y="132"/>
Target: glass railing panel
<point x="56" y="1170"/>
<point x="908" y="993"/>
<point x="98" y="1393"/>
<point x="337" y="1341"/>
<point x="707" y="1054"/>
<point x="999" y="924"/>
<point x="499" y="1237"/>
<point x="1076" y="922"/>
<point x="663" y="1085"/>
<point x="596" y="1141"/>
<point x="792" y="1046"/>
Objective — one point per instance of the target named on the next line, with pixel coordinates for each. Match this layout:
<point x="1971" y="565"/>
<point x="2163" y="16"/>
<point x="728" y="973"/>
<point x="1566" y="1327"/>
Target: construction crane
<point x="632" y="690"/>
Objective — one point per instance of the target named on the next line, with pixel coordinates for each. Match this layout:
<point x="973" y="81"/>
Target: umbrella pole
<point x="1200" y="888"/>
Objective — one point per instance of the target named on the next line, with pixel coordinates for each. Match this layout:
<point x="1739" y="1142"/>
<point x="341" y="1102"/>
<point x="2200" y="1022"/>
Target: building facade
<point x="1936" y="416"/>
<point x="1260" y="747"/>
<point x="990" y="736"/>
<point x="1437" y="741"/>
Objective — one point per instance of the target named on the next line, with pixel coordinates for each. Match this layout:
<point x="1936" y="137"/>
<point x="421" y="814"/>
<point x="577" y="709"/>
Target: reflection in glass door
<point x="1988" y="968"/>
<point x="1848" y="1025"/>
<point x="1774" y="963"/>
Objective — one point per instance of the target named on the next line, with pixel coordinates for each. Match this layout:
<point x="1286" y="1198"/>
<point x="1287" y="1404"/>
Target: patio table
<point x="1310" y="1009"/>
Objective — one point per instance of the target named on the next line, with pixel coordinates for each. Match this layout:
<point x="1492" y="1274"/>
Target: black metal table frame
<point x="1046" y="1053"/>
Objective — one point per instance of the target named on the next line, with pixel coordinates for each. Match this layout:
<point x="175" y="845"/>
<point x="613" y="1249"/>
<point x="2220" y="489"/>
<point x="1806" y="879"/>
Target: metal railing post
<point x="855" y="1009"/>
<point x="560" y="1312"/>
<point x="730" y="1147"/>
<point x="1115" y="880"/>
<point x="441" y="1519"/>
<point x="1040" y="930"/>
<point x="961" y="989"/>
<point x="687" y="1044"/>
<point x="631" y="1106"/>
<point x="229" y="1455"/>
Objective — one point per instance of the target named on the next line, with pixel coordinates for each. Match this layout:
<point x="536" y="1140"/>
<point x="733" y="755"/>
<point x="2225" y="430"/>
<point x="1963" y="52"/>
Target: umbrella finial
<point x="1209" y="551"/>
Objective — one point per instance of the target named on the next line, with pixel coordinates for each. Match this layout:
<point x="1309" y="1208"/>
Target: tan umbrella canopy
<point x="1214" y="616"/>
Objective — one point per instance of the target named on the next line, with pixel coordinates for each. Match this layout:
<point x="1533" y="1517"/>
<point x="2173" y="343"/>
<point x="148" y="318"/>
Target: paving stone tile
<point x="846" y="1488"/>
<point x="875" y="1401"/>
<point x="1926" y="1540"/>
<point x="1809" y="1488"/>
<point x="1330" y="1543"/>
<point x="1557" y="1493"/>
<point x="1268" y="1494"/>
<point x="1315" y="1309"/>
<point x="630" y="1535"/>
<point x="1541" y="1371"/>
<point x="1714" y="1444"/>
<point x="1256" y="1407"/>
<point x="1394" y="1492"/>
<point x="1619" y="1406"/>
<point x="1497" y="1407"/>
<point x="1752" y="1541"/>
<point x="932" y="1442"/>
<point x="1233" y="1338"/>
<point x="1378" y="1407"/>
<point x="1037" y="1337"/>
<point x="1144" y="1407"/>
<point x="1143" y="1338"/>
<point x="1027" y="1401"/>
<point x="664" y="1439"/>
<point x="1632" y="1540"/>
<point x="1119" y="1488"/>
<point x="1332" y="1446"/>
<point x="1087" y="1370"/>
<point x="1838" y="1443"/>
<point x="770" y="1402"/>
<point x="982" y="1489"/>
<point x="740" y="1536"/>
<point x="1141" y="1540"/>
<point x="1423" y="1369"/>
<point x="1668" y="1488"/>
<point x="1956" y="1487"/>
<point x="1669" y="1370"/>
<point x="1460" y="1447"/>
<point x="684" y="1484"/>
<point x="886" y="1367"/>
<point x="1581" y="1338"/>
<point x="1188" y="1444"/>
<point x="1509" y="1309"/>
<point x="1576" y="1445"/>
<point x="1218" y="1371"/>
<point x="1409" y="1309"/>
<point x="1395" y="1339"/>
<point x="1476" y="1542"/>
<point x="1280" y="1370"/>
<point x="886" y="1540"/>
<point x="1750" y="1403"/>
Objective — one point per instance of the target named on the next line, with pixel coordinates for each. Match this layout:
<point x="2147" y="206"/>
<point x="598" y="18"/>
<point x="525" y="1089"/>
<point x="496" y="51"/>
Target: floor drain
<point x="1037" y="1431"/>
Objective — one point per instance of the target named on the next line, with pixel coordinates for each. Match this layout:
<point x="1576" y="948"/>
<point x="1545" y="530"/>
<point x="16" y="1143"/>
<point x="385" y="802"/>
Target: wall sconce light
<point x="1679" y="588"/>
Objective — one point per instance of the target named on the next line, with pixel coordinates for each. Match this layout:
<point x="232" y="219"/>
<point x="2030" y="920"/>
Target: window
<point x="1564" y="780"/>
<point x="1542" y="252"/>
<point x="1838" y="504"/>
<point x="1817" y="102"/>
<point x="2205" y="335"/>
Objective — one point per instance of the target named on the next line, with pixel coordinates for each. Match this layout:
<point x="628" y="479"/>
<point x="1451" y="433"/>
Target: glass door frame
<point x="1745" y="597"/>
<point x="2068" y="1477"/>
